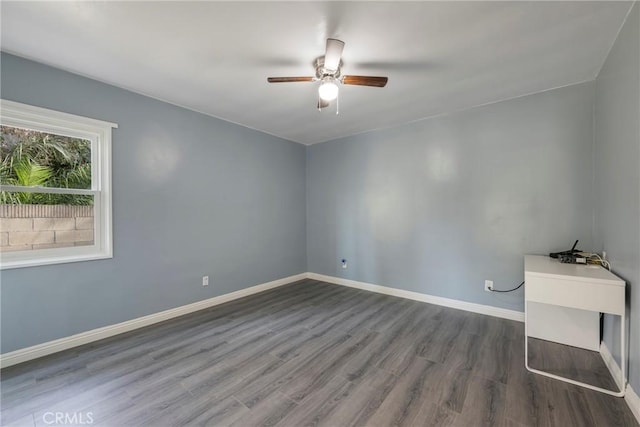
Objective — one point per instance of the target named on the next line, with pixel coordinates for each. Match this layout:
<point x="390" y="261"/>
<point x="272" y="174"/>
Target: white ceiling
<point x="214" y="57"/>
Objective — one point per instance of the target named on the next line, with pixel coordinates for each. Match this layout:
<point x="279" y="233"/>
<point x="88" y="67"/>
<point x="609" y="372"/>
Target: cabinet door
<point x="569" y="326"/>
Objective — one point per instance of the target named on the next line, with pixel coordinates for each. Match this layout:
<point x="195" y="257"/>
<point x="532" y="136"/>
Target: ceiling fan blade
<point x="289" y="79"/>
<point x="333" y="54"/>
<point x="365" y="81"/>
<point x="322" y="104"/>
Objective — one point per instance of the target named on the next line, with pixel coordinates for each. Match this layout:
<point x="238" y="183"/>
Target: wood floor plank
<point x="321" y="372"/>
<point x="306" y="343"/>
<point x="403" y="404"/>
<point x="359" y="365"/>
<point x="464" y="351"/>
<point x="527" y="399"/>
<point x="607" y="411"/>
<point x="571" y="362"/>
<point x="574" y="410"/>
<point x="407" y="338"/>
<point x="432" y="415"/>
<point x="401" y="358"/>
<point x="437" y="346"/>
<point x="452" y="388"/>
<point x="379" y="311"/>
<point x="313" y="353"/>
<point x="485" y="402"/>
<point x="342" y="314"/>
<point x="199" y="361"/>
<point x="17" y="406"/>
<point x="99" y="407"/>
<point x="26" y="421"/>
<point x="11" y="385"/>
<point x="269" y="371"/>
<point x="221" y="377"/>
<point x="267" y="413"/>
<point x="493" y="360"/>
<point x="148" y="408"/>
<point x="204" y="410"/>
<point x="319" y="405"/>
<point x="359" y="406"/>
<point x="257" y="391"/>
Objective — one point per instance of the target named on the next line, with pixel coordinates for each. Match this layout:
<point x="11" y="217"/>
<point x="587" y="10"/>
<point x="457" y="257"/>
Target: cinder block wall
<point x="27" y="227"/>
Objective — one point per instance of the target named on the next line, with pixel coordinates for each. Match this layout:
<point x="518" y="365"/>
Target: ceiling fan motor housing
<point x="322" y="72"/>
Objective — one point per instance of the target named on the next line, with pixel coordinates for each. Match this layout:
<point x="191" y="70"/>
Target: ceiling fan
<point x="328" y="73"/>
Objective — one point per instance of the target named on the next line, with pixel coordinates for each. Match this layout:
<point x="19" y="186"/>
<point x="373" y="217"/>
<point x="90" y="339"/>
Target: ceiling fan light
<point x="328" y="90"/>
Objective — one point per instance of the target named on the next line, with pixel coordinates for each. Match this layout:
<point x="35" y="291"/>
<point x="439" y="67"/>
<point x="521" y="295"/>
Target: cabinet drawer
<point x="575" y="293"/>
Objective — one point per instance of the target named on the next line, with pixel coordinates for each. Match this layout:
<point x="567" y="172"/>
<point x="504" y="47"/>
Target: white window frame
<point x="19" y="115"/>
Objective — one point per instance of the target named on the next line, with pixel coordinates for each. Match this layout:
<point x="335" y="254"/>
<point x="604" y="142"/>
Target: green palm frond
<point x="30" y="174"/>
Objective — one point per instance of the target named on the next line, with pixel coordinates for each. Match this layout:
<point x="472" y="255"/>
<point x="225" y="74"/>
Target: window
<point x="55" y="187"/>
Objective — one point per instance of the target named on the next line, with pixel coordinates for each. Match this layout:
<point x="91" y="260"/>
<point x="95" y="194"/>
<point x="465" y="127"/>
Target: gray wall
<point x="617" y="177"/>
<point x="192" y="196"/>
<point x="440" y="205"/>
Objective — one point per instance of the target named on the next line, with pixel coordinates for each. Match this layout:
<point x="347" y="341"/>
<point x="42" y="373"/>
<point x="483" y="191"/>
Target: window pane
<point x="33" y="158"/>
<point x="26" y="226"/>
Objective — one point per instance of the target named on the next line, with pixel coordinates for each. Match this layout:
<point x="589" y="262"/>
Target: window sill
<point x="14" y="260"/>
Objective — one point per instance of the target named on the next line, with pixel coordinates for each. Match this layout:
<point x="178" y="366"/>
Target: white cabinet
<point x="563" y="303"/>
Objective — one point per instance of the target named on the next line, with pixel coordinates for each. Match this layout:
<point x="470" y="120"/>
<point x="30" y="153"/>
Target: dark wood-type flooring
<point x="313" y="353"/>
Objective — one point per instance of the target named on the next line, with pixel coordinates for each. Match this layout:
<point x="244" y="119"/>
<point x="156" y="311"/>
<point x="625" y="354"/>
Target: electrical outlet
<point x="344" y="263"/>
<point x="205" y="280"/>
<point x="604" y="255"/>
<point x="488" y="285"/>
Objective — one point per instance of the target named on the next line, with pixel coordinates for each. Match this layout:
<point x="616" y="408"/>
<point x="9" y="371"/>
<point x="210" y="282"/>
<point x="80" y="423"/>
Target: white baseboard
<point x="33" y="352"/>
<point x="447" y="302"/>
<point x="610" y="363"/>
<point x="630" y="397"/>
<point x="633" y="401"/>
